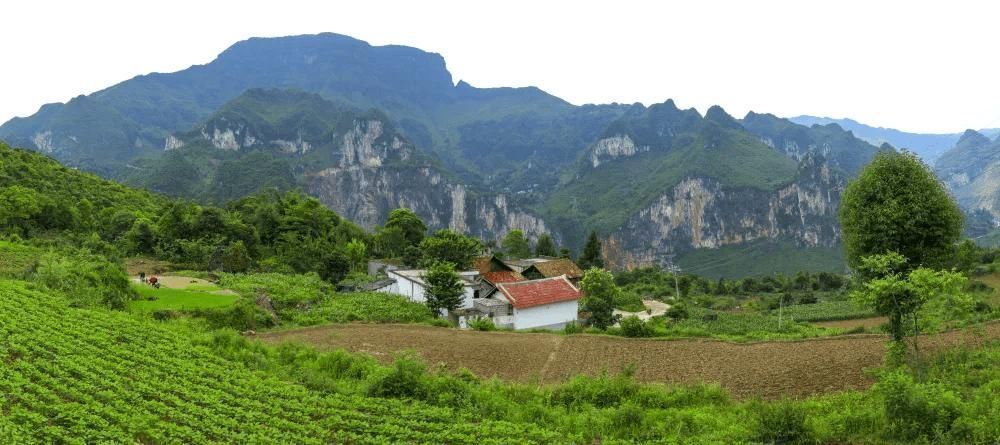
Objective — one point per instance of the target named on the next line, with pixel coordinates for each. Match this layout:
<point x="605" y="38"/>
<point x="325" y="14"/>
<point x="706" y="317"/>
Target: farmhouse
<point x="548" y="298"/>
<point x="411" y="284"/>
<point x="547" y="303"/>
<point x="554" y="268"/>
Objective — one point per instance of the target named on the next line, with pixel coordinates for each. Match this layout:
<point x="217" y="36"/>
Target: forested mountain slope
<point x="370" y="128"/>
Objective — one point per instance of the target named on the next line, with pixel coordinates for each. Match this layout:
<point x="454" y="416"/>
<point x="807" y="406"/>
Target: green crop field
<point x="192" y="297"/>
<point x="88" y="376"/>
<point x="826" y="311"/>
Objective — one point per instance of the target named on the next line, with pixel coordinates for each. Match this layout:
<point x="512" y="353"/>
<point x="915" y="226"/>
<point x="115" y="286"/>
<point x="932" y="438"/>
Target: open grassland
<point x="766" y="369"/>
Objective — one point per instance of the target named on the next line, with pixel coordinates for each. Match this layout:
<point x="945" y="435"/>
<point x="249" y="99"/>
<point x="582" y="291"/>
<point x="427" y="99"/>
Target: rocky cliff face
<point x="700" y="213"/>
<point x="971" y="171"/>
<point x="376" y="173"/>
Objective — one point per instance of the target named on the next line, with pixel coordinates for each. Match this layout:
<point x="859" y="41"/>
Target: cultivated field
<point x="766" y="369"/>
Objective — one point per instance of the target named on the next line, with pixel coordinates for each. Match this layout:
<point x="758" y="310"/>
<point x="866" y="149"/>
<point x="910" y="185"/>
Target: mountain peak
<point x="718" y="115"/>
<point x="972" y="138"/>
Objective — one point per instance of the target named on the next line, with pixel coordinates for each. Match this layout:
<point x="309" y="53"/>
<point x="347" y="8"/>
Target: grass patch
<point x="826" y="311"/>
<point x="203" y="297"/>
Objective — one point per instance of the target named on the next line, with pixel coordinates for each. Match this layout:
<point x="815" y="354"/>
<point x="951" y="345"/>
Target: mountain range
<point x="929" y="146"/>
<point x="368" y="128"/>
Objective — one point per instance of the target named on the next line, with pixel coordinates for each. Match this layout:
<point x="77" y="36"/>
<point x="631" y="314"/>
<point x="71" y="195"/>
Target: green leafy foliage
<point x="445" y="290"/>
<point x="897" y="205"/>
<point x="448" y="246"/>
<point x="599" y="296"/>
<point x="515" y="245"/>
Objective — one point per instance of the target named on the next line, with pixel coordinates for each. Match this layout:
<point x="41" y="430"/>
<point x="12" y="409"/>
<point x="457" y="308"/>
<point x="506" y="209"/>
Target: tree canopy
<point x="452" y="247"/>
<point x="545" y="246"/>
<point x="444" y="287"/>
<point x="599" y="296"/>
<point x="515" y="245"/>
<point x="591" y="256"/>
<point x="898" y="205"/>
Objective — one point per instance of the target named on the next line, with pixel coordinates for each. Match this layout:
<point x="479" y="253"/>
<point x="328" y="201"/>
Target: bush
<point x="166" y="314"/>
<point x="917" y="411"/>
<point x="677" y="312"/>
<point x="781" y="423"/>
<point x="406" y="379"/>
<point x="482" y="324"/>
<point x="572" y="328"/>
<point x="634" y="327"/>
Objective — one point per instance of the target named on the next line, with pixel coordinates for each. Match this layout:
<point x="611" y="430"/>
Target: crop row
<point x="80" y="376"/>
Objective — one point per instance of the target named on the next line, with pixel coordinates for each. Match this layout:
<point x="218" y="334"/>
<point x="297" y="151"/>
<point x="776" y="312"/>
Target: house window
<point x="475" y="293"/>
<point x="510" y="310"/>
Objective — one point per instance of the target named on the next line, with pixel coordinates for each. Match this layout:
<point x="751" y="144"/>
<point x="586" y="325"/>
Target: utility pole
<point x="674" y="269"/>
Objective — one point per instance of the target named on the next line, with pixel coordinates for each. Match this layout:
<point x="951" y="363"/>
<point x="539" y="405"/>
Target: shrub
<point x="406" y="379"/>
<point x="634" y="327"/>
<point x="781" y="423"/>
<point x="917" y="411"/>
<point x="482" y="324"/>
<point x="166" y="314"/>
<point x="572" y="328"/>
<point x="677" y="312"/>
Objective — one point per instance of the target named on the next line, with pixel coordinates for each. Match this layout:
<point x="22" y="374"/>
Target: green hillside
<point x="603" y="198"/>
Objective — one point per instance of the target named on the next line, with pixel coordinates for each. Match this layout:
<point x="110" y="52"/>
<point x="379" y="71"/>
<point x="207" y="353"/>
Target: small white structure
<point x="411" y="284"/>
<point x="548" y="303"/>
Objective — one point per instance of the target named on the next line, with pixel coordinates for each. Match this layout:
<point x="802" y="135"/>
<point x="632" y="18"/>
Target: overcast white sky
<point x="916" y="66"/>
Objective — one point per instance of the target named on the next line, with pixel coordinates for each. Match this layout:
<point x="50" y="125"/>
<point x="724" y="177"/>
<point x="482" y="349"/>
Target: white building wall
<point x="416" y="292"/>
<point x="553" y="315"/>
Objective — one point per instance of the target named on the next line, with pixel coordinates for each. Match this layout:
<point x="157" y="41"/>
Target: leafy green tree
<point x="898" y="205"/>
<point x="451" y="247"/>
<point x="545" y="246"/>
<point x="390" y="242"/>
<point x="141" y="237"/>
<point x="409" y="223"/>
<point x="564" y="253"/>
<point x="18" y="205"/>
<point x="356" y="253"/>
<point x="515" y="245"/>
<point x="236" y="258"/>
<point x="599" y="296"/>
<point x="444" y="287"/>
<point x="894" y="290"/>
<point x="591" y="256"/>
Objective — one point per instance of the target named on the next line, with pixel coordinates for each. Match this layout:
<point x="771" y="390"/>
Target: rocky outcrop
<point x="612" y="148"/>
<point x="700" y="213"/>
<point x="971" y="171"/>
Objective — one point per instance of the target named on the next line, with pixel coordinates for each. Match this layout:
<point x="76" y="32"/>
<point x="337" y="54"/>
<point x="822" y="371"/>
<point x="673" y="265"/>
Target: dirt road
<point x="766" y="369"/>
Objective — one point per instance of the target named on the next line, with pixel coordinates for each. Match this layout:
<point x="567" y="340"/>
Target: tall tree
<point x="409" y="223"/>
<point x="545" y="246"/>
<point x="599" y="295"/>
<point x="898" y="205"/>
<point x="452" y="247"/>
<point x="444" y="287"/>
<point x="515" y="245"/>
<point x="591" y="256"/>
<point x="356" y="253"/>
<point x="899" y="292"/>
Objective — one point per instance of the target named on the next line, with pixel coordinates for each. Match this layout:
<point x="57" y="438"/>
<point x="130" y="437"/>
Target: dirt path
<point x="766" y="369"/>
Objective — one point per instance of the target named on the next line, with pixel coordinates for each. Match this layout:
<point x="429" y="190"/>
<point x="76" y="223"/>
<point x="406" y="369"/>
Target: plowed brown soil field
<point x="765" y="369"/>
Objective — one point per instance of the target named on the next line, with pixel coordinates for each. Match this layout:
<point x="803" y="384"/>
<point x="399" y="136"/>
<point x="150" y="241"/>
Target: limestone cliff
<point x="701" y="213"/>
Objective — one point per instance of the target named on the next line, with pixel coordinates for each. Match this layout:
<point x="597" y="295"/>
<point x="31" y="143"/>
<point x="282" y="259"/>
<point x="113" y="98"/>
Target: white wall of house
<point x="547" y="315"/>
<point x="406" y="287"/>
<point x="415" y="291"/>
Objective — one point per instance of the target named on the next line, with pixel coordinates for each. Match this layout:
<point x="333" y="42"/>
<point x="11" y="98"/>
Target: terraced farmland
<point x="766" y="369"/>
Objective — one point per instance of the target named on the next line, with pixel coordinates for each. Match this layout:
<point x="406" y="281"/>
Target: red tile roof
<point x="503" y="276"/>
<point x="524" y="294"/>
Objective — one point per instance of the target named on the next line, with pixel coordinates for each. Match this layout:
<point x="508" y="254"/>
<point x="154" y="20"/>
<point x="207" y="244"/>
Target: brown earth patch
<point x="147" y="265"/>
<point x="867" y="323"/>
<point x="765" y="369"/>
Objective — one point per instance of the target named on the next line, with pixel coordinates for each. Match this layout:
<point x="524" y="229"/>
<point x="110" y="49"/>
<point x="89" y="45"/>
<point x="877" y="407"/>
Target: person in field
<point x="154" y="282"/>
